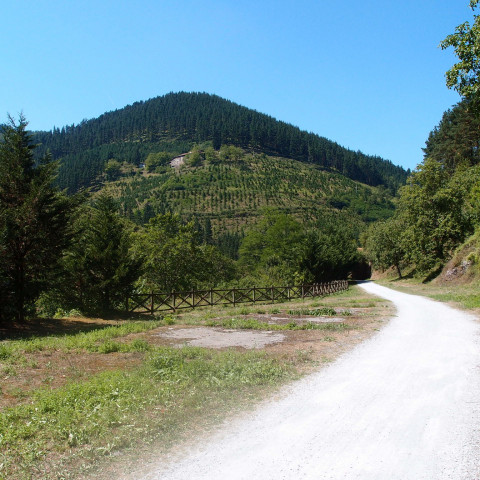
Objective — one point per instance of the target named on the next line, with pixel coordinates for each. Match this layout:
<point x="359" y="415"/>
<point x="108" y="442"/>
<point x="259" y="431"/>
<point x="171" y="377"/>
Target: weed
<point x="74" y="371"/>
<point x="27" y="362"/>
<point x="6" y="352"/>
<point x="18" y="393"/>
<point x="324" y="311"/>
<point x="244" y="311"/>
<point x="139" y="345"/>
<point x="304" y="356"/>
<point x="108" y="347"/>
<point x="9" y="371"/>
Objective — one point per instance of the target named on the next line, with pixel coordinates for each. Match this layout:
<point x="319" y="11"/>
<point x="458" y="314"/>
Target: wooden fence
<point x="160" y="302"/>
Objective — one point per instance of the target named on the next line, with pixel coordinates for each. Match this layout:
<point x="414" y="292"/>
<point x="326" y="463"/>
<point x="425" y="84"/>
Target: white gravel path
<point x="404" y="405"/>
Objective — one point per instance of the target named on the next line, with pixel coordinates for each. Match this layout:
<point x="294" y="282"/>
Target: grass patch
<point x="115" y="409"/>
<point x="6" y="352"/>
<point x="253" y="324"/>
<point x="466" y="296"/>
<point x="100" y="340"/>
<point x="467" y="300"/>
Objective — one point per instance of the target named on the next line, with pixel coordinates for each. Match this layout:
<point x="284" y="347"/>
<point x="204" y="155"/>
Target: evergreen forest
<point x="176" y="121"/>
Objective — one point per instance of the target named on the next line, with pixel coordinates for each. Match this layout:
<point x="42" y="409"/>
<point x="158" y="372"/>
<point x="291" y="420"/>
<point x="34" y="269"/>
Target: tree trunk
<point x="399" y="271"/>
<point x="20" y="294"/>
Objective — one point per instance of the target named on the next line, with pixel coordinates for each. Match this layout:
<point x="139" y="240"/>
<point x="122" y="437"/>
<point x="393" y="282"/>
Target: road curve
<point x="403" y="405"/>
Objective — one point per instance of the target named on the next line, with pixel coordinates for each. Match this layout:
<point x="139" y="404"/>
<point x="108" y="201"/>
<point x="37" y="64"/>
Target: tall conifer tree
<point x="33" y="222"/>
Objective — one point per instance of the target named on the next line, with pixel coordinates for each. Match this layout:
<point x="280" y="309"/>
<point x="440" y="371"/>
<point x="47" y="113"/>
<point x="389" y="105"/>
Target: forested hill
<point x="176" y="121"/>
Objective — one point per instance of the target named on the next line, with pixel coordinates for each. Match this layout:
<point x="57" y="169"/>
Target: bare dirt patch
<point x="220" y="338"/>
<point x="51" y="370"/>
<point x="320" y="345"/>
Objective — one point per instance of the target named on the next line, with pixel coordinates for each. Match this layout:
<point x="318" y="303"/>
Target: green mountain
<point x="239" y="163"/>
<point x="177" y="121"/>
<point x="226" y="191"/>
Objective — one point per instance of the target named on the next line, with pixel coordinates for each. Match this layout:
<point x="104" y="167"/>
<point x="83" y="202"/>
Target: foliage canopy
<point x="464" y="75"/>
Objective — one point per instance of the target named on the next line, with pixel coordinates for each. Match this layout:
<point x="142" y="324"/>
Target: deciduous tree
<point x="384" y="244"/>
<point x="464" y="75"/>
<point x="174" y="259"/>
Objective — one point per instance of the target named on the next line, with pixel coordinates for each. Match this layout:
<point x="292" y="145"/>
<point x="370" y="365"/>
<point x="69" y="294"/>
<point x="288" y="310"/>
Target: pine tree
<point x="34" y="218"/>
<point x="100" y="269"/>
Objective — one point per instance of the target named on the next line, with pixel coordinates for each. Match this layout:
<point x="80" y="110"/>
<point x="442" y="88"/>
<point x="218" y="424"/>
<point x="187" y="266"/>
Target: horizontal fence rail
<point x="162" y="302"/>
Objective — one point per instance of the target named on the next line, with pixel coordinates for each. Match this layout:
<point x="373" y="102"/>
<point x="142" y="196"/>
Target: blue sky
<point x="368" y="75"/>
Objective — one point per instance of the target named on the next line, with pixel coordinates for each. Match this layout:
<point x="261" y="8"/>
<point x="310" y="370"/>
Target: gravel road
<point x="403" y="405"/>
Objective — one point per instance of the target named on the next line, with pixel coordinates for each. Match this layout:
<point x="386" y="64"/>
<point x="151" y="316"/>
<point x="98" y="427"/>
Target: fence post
<point x="152" y="306"/>
<point x="254" y="298"/>
<point x="233" y="296"/>
<point x="211" y="296"/>
<point x="174" y="296"/>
